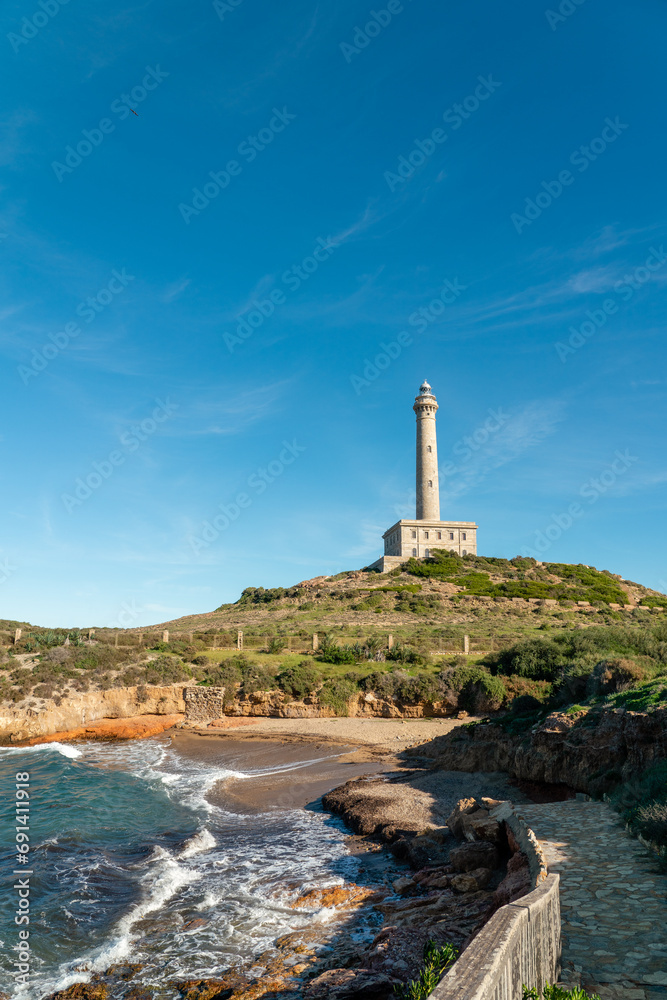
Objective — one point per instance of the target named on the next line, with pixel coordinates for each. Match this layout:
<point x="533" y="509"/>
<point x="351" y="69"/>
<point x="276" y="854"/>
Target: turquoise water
<point x="131" y="861"/>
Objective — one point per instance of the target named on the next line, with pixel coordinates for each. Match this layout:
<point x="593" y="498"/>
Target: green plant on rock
<point x="437" y="960"/>
<point x="300" y="680"/>
<point x="336" y="693"/>
<point x="558" y="993"/>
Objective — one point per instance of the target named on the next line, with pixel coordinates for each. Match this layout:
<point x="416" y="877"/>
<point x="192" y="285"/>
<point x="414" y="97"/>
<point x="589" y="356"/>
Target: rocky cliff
<point x="588" y="751"/>
<point x="19" y="724"/>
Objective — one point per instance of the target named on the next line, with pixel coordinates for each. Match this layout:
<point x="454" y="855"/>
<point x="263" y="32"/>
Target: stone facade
<point x="418" y="538"/>
<point x="204" y="703"/>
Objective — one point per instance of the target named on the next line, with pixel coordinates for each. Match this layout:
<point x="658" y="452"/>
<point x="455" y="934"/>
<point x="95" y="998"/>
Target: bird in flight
<point x="134" y="112"/>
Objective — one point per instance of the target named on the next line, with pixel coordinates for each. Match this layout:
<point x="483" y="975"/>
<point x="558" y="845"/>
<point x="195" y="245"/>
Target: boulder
<point x="404" y="886"/>
<point x="347" y="984"/>
<point x="479" y="854"/>
<point x="464" y="883"/>
<point x="460" y="811"/>
<point x="482" y="876"/>
<point x="482" y="828"/>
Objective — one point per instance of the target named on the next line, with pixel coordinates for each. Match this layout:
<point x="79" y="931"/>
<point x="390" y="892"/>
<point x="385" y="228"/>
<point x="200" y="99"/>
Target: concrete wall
<point x="520" y="944"/>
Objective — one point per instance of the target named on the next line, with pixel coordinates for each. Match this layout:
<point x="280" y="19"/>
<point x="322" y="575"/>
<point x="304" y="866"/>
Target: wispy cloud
<point x="177" y="288"/>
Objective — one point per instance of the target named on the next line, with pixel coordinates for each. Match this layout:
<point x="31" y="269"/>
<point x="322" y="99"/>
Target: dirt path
<point x="613" y="900"/>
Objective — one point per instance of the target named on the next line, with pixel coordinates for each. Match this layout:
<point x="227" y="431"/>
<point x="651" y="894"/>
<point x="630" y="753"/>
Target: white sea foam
<point x="234" y="872"/>
<point x="170" y="880"/>
<point x="202" y="841"/>
<point x="62" y="748"/>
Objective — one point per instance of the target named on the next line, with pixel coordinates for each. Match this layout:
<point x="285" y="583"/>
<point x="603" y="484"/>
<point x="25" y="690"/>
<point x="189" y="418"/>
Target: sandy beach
<point x="375" y="736"/>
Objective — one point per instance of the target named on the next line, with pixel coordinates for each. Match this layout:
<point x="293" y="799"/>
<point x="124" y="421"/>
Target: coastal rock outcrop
<point x="587" y="751"/>
<point x="19" y="724"/>
<point x="138" y="728"/>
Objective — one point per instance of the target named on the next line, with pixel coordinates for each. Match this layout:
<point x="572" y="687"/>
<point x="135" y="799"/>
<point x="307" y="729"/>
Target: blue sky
<point x="199" y="290"/>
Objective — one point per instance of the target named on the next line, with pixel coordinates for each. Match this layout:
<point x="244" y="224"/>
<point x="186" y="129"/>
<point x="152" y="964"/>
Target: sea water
<point x="131" y="862"/>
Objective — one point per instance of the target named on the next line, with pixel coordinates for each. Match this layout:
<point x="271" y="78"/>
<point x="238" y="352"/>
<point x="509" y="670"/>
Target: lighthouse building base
<point x="417" y="539"/>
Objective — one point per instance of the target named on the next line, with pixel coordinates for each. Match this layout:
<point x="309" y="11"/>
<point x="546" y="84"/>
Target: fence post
<point x="466" y="643"/>
<point x="17" y="635"/>
<point x="115" y="641"/>
<point x="316" y="642"/>
<point x="239" y="639"/>
<point x="165" y="635"/>
<point x="390" y="642"/>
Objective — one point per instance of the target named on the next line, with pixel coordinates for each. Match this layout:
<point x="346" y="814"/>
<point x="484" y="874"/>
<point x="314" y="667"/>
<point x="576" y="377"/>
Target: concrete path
<point x="613" y="900"/>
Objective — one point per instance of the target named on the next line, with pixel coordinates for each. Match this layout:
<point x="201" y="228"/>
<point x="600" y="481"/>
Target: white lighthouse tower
<point x="427" y="532"/>
<point x="428" y="493"/>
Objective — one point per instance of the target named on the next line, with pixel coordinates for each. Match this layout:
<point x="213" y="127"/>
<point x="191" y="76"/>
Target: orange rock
<point x="339" y="895"/>
<point x="136" y="728"/>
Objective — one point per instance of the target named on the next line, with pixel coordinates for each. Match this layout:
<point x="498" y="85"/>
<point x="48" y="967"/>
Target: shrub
<point x="330" y="652"/>
<point x="166" y="670"/>
<point x="423" y="687"/>
<point x="276" y="644"/>
<point x="642" y="802"/>
<point x="256" y="678"/>
<point x="478" y="691"/>
<point x="336" y="694"/>
<point x="539" y="659"/>
<point x="381" y="682"/>
<point x="610" y="676"/>
<point x="300" y="680"/>
<point x="406" y="654"/>
<point x="258" y="595"/>
<point x="482" y="694"/>
<point x="201" y="661"/>
<point x="651" y="822"/>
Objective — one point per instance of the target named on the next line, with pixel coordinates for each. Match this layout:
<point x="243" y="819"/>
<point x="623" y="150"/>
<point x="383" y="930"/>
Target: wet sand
<point x="275" y="773"/>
